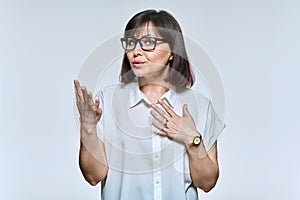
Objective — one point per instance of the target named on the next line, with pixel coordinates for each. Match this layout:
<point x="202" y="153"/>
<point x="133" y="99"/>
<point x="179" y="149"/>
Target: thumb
<point x="185" y="111"/>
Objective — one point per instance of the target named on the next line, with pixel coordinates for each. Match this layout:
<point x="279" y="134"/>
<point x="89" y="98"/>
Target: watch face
<point x="197" y="140"/>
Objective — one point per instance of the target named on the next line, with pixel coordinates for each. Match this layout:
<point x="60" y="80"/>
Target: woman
<point x="151" y="137"/>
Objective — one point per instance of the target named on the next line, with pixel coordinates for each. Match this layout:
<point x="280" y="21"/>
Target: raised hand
<point x="89" y="110"/>
<point x="181" y="129"/>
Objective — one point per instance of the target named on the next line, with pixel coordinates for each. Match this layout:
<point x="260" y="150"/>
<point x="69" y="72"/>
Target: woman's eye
<point x="149" y="41"/>
<point x="131" y="42"/>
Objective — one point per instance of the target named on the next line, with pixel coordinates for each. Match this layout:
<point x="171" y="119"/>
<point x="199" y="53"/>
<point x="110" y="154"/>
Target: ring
<point x="165" y="125"/>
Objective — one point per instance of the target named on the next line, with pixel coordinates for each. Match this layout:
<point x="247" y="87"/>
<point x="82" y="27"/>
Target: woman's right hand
<point x="89" y="110"/>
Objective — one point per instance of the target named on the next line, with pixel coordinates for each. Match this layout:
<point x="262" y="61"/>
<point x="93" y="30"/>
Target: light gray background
<point x="254" y="44"/>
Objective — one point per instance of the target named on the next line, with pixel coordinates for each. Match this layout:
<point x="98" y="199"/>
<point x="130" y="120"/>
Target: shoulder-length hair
<point x="165" y="24"/>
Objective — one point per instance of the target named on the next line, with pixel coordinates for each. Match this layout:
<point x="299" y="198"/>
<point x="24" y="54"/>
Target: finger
<point x="98" y="109"/>
<point x="83" y="92"/>
<point x="79" y="94"/>
<point x="161" y="128"/>
<point x="167" y="108"/>
<point x="160" y="112"/>
<point x="169" y="132"/>
<point x="89" y="98"/>
<point x="76" y="83"/>
<point x="97" y="103"/>
<point x="87" y="95"/>
<point x="185" y="111"/>
<point x="158" y="117"/>
<point x="173" y="127"/>
<point x="172" y="132"/>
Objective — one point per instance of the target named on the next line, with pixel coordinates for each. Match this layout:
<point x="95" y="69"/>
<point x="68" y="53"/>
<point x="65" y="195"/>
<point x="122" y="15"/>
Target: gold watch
<point x="196" y="140"/>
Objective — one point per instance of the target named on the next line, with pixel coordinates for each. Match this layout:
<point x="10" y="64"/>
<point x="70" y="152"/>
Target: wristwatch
<point x="196" y="140"/>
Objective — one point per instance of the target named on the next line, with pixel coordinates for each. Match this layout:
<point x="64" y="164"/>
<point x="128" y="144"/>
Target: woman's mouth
<point x="138" y="63"/>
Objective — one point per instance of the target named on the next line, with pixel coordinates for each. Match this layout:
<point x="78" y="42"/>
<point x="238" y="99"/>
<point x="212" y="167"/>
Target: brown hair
<point x="180" y="74"/>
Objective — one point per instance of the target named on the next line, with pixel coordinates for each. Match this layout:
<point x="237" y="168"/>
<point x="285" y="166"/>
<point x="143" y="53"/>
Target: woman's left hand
<point x="181" y="129"/>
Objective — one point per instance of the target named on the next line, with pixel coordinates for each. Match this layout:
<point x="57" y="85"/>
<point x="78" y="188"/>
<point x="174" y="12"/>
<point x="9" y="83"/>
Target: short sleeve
<point x="213" y="127"/>
<point x="100" y="125"/>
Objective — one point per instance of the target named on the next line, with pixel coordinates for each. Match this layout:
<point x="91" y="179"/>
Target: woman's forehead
<point x="146" y="30"/>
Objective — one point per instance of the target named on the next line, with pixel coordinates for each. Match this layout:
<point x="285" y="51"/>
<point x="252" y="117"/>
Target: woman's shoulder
<point x="191" y="94"/>
<point x="111" y="89"/>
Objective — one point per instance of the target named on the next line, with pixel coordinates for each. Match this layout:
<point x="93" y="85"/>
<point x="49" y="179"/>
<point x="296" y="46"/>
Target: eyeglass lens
<point x="146" y="43"/>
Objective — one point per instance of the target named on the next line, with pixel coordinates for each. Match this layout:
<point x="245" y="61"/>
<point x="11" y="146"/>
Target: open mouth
<point x="138" y="63"/>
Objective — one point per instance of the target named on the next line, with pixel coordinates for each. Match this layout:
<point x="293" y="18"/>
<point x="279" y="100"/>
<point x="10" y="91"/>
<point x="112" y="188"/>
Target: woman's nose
<point x="138" y="49"/>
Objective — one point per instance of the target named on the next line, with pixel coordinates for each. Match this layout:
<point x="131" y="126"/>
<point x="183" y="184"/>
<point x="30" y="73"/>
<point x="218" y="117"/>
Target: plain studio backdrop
<point x="254" y="45"/>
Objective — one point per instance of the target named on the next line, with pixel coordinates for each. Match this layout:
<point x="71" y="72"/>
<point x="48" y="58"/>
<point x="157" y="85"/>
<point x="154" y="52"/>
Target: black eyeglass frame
<point x="141" y="44"/>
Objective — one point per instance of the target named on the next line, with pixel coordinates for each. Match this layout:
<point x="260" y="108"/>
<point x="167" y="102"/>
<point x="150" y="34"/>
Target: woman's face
<point x="150" y="65"/>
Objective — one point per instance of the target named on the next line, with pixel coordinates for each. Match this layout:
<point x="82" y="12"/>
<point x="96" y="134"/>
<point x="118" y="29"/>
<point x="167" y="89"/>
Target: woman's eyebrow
<point x="147" y="35"/>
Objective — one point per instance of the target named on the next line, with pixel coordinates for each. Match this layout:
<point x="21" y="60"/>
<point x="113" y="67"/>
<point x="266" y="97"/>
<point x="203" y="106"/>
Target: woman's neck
<point x="153" y="90"/>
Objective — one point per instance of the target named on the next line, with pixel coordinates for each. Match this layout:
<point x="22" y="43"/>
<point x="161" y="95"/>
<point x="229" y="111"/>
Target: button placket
<point x="156" y="147"/>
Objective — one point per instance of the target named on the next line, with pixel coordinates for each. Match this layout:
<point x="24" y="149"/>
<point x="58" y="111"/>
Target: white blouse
<point x="144" y="163"/>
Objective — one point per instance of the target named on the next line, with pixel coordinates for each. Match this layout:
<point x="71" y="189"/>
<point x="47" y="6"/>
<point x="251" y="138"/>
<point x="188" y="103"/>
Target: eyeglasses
<point x="146" y="43"/>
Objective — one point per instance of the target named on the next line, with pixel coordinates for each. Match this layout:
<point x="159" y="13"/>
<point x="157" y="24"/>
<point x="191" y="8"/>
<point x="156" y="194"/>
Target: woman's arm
<point x="92" y="159"/>
<point x="204" y="166"/>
